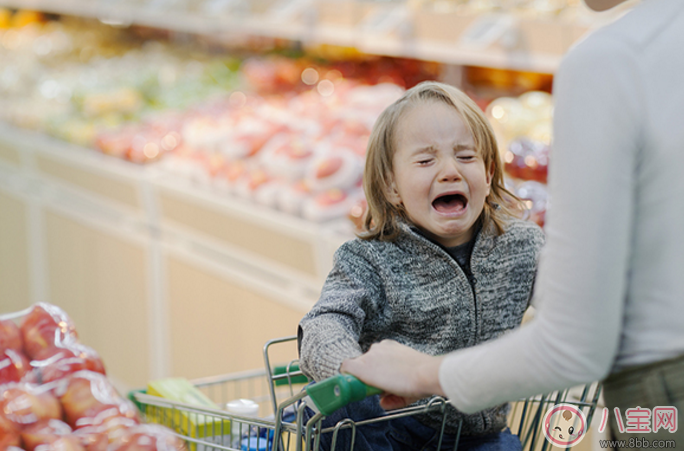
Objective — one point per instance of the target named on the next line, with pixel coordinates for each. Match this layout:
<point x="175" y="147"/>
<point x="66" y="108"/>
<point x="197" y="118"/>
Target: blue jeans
<point x="403" y="434"/>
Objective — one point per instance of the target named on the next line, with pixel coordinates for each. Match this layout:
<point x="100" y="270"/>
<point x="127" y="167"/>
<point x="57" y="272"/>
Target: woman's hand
<point x="404" y="374"/>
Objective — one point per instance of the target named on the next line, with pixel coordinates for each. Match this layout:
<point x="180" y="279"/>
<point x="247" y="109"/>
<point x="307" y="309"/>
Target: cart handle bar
<point x="336" y="392"/>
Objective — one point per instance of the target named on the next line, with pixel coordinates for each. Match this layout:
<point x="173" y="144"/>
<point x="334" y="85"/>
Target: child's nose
<point x="450" y="171"/>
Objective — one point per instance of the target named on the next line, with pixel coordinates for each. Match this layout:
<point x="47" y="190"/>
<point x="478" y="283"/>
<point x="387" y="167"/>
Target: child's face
<point x="439" y="177"/>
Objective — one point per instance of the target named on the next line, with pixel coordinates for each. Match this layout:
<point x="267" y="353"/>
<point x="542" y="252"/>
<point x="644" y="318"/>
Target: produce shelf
<point x="497" y="40"/>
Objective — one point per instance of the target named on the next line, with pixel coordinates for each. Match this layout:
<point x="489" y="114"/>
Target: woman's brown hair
<point x="383" y="217"/>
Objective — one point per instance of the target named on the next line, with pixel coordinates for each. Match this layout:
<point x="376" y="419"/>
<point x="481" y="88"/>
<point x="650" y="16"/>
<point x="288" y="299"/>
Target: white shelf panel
<point x="254" y="213"/>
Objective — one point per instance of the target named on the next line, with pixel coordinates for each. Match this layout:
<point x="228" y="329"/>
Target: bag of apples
<point x="55" y="396"/>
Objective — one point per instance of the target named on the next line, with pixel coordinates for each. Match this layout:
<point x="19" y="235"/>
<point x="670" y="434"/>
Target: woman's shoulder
<point x="633" y="33"/>
<point x="617" y="45"/>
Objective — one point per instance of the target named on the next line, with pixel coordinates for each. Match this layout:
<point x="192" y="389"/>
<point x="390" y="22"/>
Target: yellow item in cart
<point x="24" y="17"/>
<point x="183" y="421"/>
<point x="5" y="18"/>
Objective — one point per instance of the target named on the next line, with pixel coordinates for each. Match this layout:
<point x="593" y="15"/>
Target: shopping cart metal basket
<point x="279" y="391"/>
<point x="527" y="416"/>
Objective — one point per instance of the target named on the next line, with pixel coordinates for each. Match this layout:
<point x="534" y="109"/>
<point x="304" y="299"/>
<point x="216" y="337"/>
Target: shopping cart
<point x="527" y="416"/>
<point x="282" y="393"/>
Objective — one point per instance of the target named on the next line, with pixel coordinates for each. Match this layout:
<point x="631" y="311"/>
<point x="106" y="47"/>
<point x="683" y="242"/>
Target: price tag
<point x="486" y="30"/>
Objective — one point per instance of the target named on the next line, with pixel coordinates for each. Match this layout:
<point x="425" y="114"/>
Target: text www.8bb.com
<point x="638" y="442"/>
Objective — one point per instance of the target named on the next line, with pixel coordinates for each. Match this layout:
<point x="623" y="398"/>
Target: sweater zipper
<point x="471" y="282"/>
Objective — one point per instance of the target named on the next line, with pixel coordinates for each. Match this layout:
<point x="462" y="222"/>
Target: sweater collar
<point x="484" y="241"/>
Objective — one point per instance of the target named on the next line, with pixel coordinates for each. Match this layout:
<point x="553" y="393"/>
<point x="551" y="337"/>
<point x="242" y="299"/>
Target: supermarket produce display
<point x="55" y="395"/>
<point x="286" y="133"/>
<point x="304" y="155"/>
<point x="289" y="134"/>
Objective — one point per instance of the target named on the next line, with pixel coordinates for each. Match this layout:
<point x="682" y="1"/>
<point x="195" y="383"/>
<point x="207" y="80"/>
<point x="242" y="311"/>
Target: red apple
<point x="87" y="394"/>
<point x="148" y="437"/>
<point x="330" y="197"/>
<point x="9" y="435"/>
<point x="13" y="366"/>
<point x="44" y="432"/>
<point x="10" y="442"/>
<point x="10" y="336"/>
<point x="92" y="439"/>
<point x="56" y="363"/>
<point x="67" y="443"/>
<point x="114" y="424"/>
<point x="123" y="415"/>
<point x="24" y="404"/>
<point x="328" y="167"/>
<point x="46" y="326"/>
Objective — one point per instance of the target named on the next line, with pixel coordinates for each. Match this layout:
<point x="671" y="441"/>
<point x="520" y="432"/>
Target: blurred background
<point x="176" y="174"/>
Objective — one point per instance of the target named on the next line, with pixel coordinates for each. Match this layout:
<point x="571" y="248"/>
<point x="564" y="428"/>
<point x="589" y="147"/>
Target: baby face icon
<point x="564" y="425"/>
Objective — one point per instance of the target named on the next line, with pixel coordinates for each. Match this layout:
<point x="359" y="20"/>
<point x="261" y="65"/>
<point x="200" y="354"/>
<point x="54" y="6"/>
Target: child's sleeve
<point x="330" y="332"/>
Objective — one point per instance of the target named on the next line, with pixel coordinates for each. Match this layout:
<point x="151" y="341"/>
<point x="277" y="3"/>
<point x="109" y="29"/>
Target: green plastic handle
<point x="336" y="392"/>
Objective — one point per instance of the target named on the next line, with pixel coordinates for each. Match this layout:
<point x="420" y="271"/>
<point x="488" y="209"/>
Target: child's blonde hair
<point x="382" y="219"/>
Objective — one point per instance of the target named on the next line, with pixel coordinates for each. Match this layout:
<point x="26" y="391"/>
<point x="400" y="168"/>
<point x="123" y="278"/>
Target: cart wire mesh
<point x="280" y="426"/>
<point x="527" y="416"/>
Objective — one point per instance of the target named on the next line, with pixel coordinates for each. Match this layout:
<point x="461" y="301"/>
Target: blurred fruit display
<point x="286" y="133"/>
<point x="523" y="127"/>
<point x="302" y="153"/>
<point x="59" y="398"/>
<point x="282" y="132"/>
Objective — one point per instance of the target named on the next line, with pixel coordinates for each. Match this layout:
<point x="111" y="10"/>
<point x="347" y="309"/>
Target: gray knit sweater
<point x="410" y="290"/>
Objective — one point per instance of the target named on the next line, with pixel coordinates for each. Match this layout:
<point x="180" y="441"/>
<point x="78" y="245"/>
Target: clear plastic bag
<point x="55" y="395"/>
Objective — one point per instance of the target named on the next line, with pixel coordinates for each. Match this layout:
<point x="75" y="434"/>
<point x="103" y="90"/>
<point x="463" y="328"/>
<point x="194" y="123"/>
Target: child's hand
<point x="393" y="402"/>
<point x="404" y="374"/>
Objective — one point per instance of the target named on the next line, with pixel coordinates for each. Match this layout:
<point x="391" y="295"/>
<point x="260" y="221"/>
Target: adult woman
<point x="610" y="287"/>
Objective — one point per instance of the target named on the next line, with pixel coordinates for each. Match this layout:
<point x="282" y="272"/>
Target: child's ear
<point x="393" y="194"/>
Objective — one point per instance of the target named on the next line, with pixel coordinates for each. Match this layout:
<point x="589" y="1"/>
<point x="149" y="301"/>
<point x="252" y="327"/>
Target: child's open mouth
<point x="450" y="203"/>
